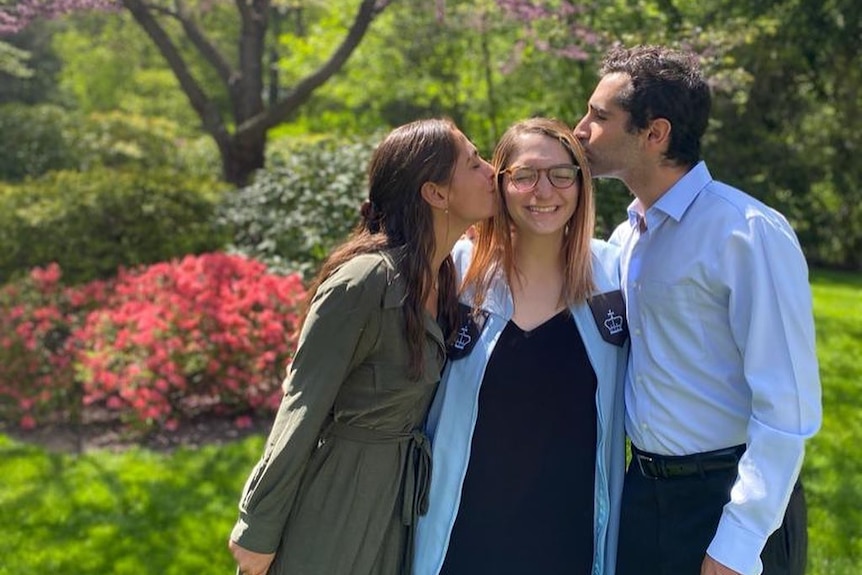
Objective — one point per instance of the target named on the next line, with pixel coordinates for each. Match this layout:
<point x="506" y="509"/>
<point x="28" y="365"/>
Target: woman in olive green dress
<point x="344" y="473"/>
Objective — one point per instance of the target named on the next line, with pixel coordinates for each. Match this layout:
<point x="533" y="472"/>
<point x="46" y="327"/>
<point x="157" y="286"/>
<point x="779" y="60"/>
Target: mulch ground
<point x="114" y="436"/>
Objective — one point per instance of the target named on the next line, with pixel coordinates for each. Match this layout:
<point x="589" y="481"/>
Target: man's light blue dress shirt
<point x="723" y="346"/>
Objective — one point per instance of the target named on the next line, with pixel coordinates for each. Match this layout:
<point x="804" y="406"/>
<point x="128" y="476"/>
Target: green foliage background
<point x="93" y="223"/>
<point x="103" y="163"/>
<point x="786" y="75"/>
<point x="302" y="205"/>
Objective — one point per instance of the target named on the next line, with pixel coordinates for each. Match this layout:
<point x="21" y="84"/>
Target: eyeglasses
<point x="525" y="178"/>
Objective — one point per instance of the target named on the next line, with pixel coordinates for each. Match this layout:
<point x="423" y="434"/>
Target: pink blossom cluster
<point x="210" y="333"/>
<point x="530" y="12"/>
<point x="37" y="317"/>
<point x="18" y="14"/>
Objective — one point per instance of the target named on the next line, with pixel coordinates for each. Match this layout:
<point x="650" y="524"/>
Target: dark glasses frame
<point x="534" y="174"/>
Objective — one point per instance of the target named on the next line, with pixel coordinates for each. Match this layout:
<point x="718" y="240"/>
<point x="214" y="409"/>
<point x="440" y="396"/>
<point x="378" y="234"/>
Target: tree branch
<point x="247" y="93"/>
<point x="303" y="90"/>
<point x="243" y="8"/>
<point x="206" y="48"/>
<point x="206" y="110"/>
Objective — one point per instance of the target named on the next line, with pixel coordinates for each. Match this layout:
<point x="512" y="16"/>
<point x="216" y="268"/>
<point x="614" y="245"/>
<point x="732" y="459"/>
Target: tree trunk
<point x="241" y="157"/>
<point x="242" y="149"/>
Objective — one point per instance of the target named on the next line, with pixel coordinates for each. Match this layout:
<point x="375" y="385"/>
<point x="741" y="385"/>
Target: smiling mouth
<point x="542" y="209"/>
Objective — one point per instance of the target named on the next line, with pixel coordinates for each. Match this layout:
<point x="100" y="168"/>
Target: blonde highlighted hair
<point x="493" y="246"/>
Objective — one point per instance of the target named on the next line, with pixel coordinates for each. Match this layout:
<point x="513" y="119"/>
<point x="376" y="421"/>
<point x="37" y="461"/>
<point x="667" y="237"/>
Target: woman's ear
<point x="435" y="195"/>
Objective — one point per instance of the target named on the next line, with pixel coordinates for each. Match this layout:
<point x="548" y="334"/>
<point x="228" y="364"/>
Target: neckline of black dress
<point x="562" y="314"/>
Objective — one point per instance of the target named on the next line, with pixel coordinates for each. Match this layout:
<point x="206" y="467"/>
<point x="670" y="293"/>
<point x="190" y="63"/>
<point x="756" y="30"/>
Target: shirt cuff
<point x="737" y="548"/>
<point x="260" y="537"/>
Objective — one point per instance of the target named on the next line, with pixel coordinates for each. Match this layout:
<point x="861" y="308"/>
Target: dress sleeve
<point x="328" y="349"/>
<point x="773" y="325"/>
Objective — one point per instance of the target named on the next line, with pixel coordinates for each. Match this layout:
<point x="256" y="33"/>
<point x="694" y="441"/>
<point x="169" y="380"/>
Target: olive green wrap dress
<point x="345" y="470"/>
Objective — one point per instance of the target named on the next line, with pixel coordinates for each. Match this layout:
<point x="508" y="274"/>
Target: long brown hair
<point x="396" y="216"/>
<point x="493" y="244"/>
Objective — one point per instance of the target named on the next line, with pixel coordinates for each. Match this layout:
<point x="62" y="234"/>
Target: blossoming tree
<point x="241" y="134"/>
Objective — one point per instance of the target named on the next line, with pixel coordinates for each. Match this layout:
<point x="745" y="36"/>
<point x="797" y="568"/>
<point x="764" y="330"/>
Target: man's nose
<point x="581" y="130"/>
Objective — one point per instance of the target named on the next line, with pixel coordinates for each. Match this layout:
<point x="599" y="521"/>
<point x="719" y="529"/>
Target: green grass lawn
<point x="135" y="513"/>
<point x="833" y="470"/>
<point x="141" y="512"/>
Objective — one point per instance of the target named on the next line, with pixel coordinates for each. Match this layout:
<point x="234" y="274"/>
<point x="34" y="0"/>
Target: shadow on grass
<point x="134" y="512"/>
<point x="836" y="278"/>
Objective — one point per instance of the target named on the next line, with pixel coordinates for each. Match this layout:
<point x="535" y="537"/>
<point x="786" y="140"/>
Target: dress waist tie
<point x="417" y="475"/>
<point x="416" y="480"/>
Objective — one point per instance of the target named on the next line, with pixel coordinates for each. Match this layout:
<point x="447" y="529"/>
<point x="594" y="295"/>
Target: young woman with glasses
<point x="344" y="473"/>
<point x="527" y="426"/>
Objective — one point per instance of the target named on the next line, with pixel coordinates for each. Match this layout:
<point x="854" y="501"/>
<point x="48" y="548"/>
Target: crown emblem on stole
<point x="614" y="323"/>
<point x="463" y="338"/>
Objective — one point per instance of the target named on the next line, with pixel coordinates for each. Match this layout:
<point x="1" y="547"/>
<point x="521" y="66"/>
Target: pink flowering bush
<point x="37" y="317"/>
<point x="15" y="16"/>
<point x="210" y="333"/>
<point x="207" y="334"/>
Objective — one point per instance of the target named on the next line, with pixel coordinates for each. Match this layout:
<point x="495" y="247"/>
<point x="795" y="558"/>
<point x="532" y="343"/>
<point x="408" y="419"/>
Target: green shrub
<point x="828" y="225"/>
<point x="118" y="139"/>
<point x="611" y="200"/>
<point x="39" y="139"/>
<point x="92" y="223"/>
<point x="35" y="140"/>
<point x="301" y="206"/>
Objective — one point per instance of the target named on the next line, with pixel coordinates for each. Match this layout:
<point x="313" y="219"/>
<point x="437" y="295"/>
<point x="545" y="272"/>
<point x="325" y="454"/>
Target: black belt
<point x="669" y="466"/>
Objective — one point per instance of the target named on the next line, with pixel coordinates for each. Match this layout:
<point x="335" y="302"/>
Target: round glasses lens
<point x="562" y="176"/>
<point x="523" y="178"/>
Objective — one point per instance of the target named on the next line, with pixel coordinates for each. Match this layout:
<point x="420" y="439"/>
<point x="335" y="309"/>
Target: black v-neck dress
<point x="527" y="500"/>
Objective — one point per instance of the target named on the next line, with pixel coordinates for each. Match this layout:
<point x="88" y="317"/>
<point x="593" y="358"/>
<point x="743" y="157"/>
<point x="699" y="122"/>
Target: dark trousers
<point x="667" y="525"/>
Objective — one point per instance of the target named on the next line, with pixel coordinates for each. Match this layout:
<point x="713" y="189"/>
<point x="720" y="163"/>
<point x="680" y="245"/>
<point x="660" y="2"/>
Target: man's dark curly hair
<point x="665" y="83"/>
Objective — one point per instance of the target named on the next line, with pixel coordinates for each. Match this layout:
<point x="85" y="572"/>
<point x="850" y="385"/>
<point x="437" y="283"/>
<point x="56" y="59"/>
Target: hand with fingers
<point x="250" y="562"/>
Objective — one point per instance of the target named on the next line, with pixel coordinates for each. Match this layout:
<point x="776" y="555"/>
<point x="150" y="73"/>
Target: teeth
<point x="542" y="209"/>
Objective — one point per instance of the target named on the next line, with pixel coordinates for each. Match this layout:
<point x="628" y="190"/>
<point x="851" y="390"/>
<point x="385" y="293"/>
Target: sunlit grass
<point x="136" y="512"/>
<point x="833" y="469"/>
<point x="142" y="512"/>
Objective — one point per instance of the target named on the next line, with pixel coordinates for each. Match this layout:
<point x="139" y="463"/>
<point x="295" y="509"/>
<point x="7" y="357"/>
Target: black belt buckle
<point x="667" y="467"/>
<point x="648" y="466"/>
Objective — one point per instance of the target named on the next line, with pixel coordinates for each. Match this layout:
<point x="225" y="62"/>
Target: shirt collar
<point x="674" y="202"/>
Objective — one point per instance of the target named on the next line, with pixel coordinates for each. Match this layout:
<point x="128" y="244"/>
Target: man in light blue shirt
<point x="722" y="387"/>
